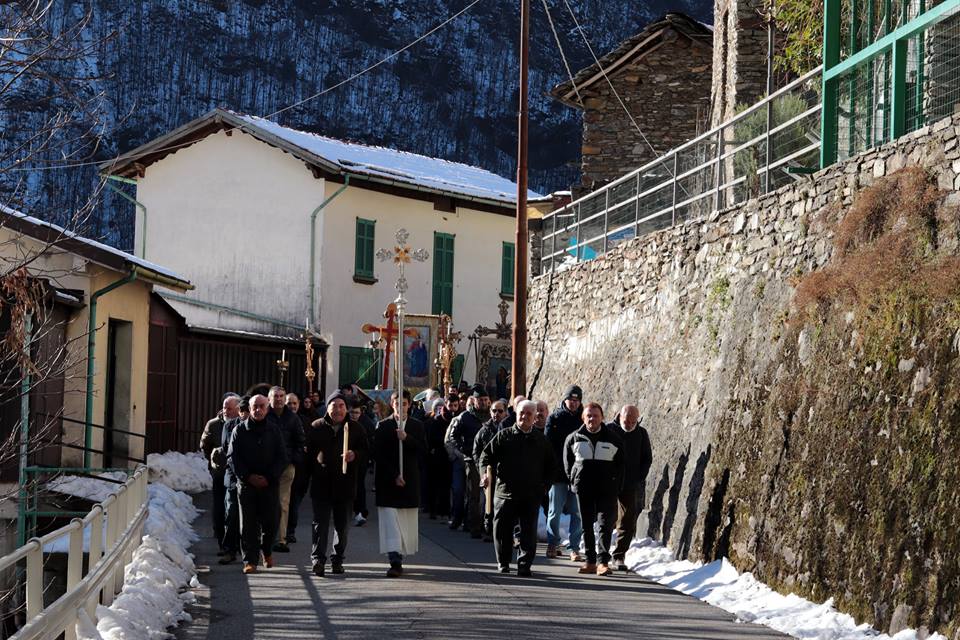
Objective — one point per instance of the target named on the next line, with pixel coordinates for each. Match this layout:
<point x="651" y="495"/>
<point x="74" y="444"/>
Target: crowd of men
<point x="489" y="467"/>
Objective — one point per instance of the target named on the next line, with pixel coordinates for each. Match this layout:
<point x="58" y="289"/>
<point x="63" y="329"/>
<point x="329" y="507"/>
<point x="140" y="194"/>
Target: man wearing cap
<point x="466" y="476"/>
<point x="333" y="485"/>
<point x="398" y="493"/>
<point x="291" y="429"/>
<point x="212" y="447"/>
<point x="523" y="463"/>
<point x="561" y="423"/>
<point x="257" y="457"/>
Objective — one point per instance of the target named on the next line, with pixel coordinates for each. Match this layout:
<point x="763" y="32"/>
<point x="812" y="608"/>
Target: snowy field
<point x="156" y="581"/>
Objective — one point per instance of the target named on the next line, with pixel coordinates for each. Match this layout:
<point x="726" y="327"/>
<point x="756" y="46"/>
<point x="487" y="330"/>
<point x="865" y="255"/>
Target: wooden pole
<point x="519" y="363"/>
<point x="346" y="444"/>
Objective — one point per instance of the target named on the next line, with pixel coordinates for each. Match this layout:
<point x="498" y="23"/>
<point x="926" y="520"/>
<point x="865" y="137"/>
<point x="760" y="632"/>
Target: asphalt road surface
<point x="450" y="589"/>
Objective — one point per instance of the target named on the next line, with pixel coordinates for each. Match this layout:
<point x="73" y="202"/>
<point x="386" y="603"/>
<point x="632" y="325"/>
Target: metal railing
<point x="761" y="149"/>
<point x="116" y="526"/>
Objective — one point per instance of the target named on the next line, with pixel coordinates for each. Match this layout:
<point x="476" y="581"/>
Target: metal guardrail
<point x="121" y="518"/>
<point x="762" y="148"/>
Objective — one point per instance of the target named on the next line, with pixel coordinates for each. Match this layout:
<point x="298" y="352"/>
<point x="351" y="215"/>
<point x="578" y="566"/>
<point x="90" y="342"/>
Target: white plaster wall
<point x="346" y="305"/>
<point x="234" y="214"/>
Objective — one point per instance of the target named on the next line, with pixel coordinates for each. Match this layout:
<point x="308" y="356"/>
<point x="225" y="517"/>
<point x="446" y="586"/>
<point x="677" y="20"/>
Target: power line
<point x="378" y="63"/>
<point x="563" y="55"/>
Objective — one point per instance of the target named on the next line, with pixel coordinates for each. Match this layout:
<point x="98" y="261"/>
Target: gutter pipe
<point x="137" y="203"/>
<point x="91" y="344"/>
<point x="313" y="246"/>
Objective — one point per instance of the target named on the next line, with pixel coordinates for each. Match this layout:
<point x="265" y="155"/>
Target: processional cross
<point x="401" y="255"/>
<point x="387" y="334"/>
<point x="448" y="350"/>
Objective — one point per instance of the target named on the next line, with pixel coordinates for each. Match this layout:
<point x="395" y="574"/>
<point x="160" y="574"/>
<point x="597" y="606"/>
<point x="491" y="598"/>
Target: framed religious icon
<point x="420" y="351"/>
<point x="495" y="367"/>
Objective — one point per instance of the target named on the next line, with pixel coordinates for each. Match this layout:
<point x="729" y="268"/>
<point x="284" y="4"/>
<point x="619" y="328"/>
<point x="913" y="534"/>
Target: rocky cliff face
<point x="162" y="63"/>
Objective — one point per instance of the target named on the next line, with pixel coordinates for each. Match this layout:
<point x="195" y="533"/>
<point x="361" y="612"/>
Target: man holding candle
<point x="335" y="445"/>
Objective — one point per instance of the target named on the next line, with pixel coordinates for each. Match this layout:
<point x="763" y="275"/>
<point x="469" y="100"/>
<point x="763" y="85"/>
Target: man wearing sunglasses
<point x="490" y="428"/>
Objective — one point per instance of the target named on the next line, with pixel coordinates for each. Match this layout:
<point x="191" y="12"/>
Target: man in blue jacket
<point x="257" y="457"/>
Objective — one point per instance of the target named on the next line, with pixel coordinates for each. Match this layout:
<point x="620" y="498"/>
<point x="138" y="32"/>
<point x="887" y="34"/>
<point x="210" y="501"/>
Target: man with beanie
<point x="593" y="459"/>
<point x="562" y="422"/>
<point x="638" y="457"/>
<point x="333" y="484"/>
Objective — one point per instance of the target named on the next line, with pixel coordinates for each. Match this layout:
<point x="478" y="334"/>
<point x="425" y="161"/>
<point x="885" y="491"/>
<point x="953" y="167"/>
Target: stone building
<point x="663" y="75"/>
<point x="739" y="56"/>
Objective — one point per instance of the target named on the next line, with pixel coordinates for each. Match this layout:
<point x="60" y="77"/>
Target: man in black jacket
<point x="490" y="428"/>
<point x="561" y="423"/>
<point x="291" y="430"/>
<point x="398" y="493"/>
<point x="211" y="443"/>
<point x="438" y="476"/>
<point x="333" y="486"/>
<point x="257" y="457"/>
<point x="593" y="458"/>
<point x="523" y="463"/>
<point x="466" y="477"/>
<point x="638" y="457"/>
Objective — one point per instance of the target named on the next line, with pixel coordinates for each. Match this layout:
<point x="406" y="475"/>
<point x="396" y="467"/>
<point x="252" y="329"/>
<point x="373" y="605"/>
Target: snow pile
<point x="719" y="584"/>
<point x="564" y="528"/>
<point x="181" y="472"/>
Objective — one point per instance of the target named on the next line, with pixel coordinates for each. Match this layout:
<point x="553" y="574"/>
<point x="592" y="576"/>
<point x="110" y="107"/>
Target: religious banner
<point x="495" y="364"/>
<point x="420" y="346"/>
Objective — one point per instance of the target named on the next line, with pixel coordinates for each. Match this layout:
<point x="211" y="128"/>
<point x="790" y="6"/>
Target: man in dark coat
<point x="398" y="493"/>
<point x="438" y="462"/>
<point x="638" y="457"/>
<point x="561" y="423"/>
<point x="257" y="457"/>
<point x="466" y="477"/>
<point x="359" y="415"/>
<point x="593" y="458"/>
<point x="523" y="463"/>
<point x="333" y="488"/>
<point x="490" y="428"/>
<point x="301" y="477"/>
<point x="210" y="443"/>
<point x="291" y="429"/>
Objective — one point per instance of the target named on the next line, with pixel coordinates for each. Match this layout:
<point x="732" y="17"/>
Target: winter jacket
<point x="436" y="430"/>
<point x="561" y="423"/>
<point x="489" y="429"/>
<point x="386" y="455"/>
<point x="220" y="454"/>
<point x="460" y="435"/>
<point x="523" y="463"/>
<point x="325" y="442"/>
<point x="257" y="448"/>
<point x="594" y="461"/>
<point x="210" y="440"/>
<point x="291" y="428"/>
<point x="638" y="457"/>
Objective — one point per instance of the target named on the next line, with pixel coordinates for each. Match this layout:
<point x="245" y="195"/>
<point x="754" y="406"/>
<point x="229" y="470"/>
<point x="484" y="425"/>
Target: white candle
<point x="283" y="357"/>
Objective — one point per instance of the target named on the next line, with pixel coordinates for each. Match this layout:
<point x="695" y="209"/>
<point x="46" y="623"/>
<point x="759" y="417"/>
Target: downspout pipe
<point x="91" y="345"/>
<point x="313" y="247"/>
<point x="136" y="203"/>
<point x="25" y="383"/>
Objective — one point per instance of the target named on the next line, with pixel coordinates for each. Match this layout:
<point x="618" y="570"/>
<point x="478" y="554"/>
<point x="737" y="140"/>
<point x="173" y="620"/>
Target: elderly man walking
<point x="212" y="447"/>
<point x="593" y="458"/>
<point x="523" y="463"/>
<point x="257" y="457"/>
<point x="291" y="430"/>
<point x="638" y="457"/>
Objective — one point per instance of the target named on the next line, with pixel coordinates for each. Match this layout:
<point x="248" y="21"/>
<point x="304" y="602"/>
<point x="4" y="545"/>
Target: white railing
<point x="761" y="149"/>
<point x="116" y="527"/>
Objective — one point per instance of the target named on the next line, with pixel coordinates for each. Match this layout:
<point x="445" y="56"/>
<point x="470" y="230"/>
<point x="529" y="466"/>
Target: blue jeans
<point x="561" y="497"/>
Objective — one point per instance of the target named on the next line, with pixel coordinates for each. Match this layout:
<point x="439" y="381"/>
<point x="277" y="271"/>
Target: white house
<point x="279" y="227"/>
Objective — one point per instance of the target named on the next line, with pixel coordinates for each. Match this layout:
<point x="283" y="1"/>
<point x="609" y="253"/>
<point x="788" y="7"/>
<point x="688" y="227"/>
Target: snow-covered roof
<point x="401" y="169"/>
<point x="66" y="239"/>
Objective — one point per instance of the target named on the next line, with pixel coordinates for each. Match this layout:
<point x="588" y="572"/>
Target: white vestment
<point x="399" y="530"/>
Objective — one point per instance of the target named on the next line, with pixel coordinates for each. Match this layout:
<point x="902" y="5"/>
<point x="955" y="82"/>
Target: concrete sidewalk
<point x="450" y="589"/>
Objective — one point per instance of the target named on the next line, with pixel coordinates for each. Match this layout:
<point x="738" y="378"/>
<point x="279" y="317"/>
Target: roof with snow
<point x="98" y="252"/>
<point x="658" y="32"/>
<point x="330" y="157"/>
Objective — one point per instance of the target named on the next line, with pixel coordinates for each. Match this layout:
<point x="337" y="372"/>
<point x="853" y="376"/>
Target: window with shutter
<point x="506" y="270"/>
<point x="363" y="257"/>
<point x="443" y="273"/>
<point x="359" y="365"/>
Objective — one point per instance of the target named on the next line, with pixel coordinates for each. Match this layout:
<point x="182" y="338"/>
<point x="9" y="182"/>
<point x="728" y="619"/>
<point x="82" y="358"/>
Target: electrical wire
<point x="563" y="55"/>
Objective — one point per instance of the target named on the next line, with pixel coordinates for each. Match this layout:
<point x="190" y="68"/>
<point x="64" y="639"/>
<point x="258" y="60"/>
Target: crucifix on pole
<point x="401" y="255"/>
<point x="387" y="334"/>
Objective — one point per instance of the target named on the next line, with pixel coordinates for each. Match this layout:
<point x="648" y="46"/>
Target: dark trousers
<point x="507" y="514"/>
<point x="360" y="500"/>
<point x="458" y="481"/>
<point x="219" y="508"/>
<point x="438" y="484"/>
<point x="322" y="510"/>
<point x="474" y="510"/>
<point x="603" y="511"/>
<point x="231" y="525"/>
<point x="301" y="484"/>
<point x="628" y="510"/>
<point x="259" y="513"/>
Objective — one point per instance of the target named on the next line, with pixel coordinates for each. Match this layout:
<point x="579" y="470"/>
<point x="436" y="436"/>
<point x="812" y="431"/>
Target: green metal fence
<point x="890" y="67"/>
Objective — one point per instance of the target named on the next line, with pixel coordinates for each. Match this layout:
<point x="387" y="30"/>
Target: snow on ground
<point x="719" y="584"/>
<point x="181" y="472"/>
<point x="153" y="596"/>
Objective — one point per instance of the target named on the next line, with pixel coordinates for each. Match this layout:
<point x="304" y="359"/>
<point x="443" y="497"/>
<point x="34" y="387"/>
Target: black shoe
<point x="395" y="571"/>
<point x="227" y="559"/>
<point x="523" y="572"/>
<point x="291" y="538"/>
<point x="454" y="525"/>
<point x="336" y="567"/>
<point x="504" y="569"/>
<point x="281" y="547"/>
<point x="318" y="569"/>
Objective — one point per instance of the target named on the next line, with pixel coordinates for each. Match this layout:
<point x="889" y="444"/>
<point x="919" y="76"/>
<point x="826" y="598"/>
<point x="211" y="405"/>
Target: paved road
<point x="450" y="590"/>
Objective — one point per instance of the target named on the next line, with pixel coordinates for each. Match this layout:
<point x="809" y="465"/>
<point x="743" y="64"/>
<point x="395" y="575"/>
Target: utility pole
<point x="519" y="364"/>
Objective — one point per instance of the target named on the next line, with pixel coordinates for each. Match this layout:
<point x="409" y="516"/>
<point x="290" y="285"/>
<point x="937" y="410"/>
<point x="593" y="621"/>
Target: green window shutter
<point x="442" y="273"/>
<point x="363" y="258"/>
<point x="506" y="269"/>
<point x="359" y="365"/>
<point x="456" y="369"/>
